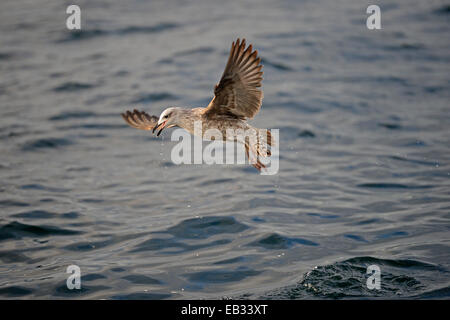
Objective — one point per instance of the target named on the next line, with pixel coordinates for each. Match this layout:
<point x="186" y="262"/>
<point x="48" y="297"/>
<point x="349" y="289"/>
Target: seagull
<point x="237" y="98"/>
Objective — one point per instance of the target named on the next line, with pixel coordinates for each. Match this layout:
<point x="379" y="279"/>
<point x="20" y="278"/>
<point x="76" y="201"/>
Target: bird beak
<point x="156" y="127"/>
<point x="159" y="125"/>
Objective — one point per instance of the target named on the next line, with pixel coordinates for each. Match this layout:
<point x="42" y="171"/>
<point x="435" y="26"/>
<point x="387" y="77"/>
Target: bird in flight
<point x="237" y="98"/>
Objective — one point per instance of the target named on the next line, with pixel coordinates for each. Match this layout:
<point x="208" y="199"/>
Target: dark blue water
<point x="364" y="178"/>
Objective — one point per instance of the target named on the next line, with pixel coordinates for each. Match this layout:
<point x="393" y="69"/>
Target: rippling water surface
<point x="364" y="152"/>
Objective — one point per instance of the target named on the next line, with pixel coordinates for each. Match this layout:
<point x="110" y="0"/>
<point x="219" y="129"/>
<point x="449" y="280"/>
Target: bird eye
<point x="166" y="116"/>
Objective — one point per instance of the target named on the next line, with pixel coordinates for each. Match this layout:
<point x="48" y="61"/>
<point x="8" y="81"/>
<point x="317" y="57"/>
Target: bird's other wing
<point x="238" y="91"/>
<point x="140" y="120"/>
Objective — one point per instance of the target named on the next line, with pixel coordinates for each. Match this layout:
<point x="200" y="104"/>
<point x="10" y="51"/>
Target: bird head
<point x="167" y="119"/>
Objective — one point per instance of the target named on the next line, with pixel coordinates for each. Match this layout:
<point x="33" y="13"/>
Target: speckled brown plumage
<point x="237" y="97"/>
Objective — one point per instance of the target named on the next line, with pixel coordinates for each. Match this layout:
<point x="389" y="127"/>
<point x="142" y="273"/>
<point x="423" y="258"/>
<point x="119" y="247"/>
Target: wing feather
<point x="237" y="92"/>
<point x="140" y="120"/>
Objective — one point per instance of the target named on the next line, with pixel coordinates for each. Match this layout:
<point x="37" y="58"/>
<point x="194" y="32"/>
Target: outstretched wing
<point x="238" y="92"/>
<point x="140" y="120"/>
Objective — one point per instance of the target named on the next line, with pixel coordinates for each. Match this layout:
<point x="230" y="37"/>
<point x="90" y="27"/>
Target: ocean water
<point x="364" y="176"/>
